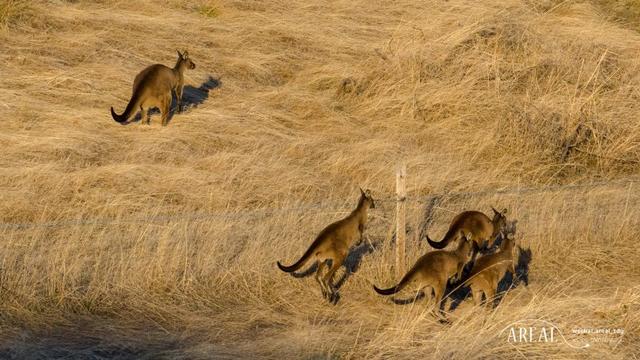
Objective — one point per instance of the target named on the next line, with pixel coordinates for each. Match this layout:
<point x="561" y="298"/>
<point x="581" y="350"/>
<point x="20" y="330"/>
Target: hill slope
<point x="155" y="241"/>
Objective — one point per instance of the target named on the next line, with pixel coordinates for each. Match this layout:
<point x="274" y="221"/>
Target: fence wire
<point x="335" y="206"/>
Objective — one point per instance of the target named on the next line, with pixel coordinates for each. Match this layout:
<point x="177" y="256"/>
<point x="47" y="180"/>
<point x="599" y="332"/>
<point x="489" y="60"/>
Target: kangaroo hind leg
<point x="477" y="292"/>
<point x="178" y="91"/>
<point x="490" y="293"/>
<point x="322" y="264"/>
<point x="328" y="278"/>
<point x="165" y="105"/>
<point x="438" y="290"/>
<point x="144" y="115"/>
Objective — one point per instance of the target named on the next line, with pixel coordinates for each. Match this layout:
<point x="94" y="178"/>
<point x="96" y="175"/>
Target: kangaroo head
<point x="365" y="196"/>
<point x="499" y="224"/>
<point x="184" y="57"/>
<point x="511" y="226"/>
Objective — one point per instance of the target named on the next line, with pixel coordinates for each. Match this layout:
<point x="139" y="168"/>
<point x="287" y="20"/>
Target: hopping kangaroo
<point x="483" y="230"/>
<point x="153" y="86"/>
<point x="490" y="269"/>
<point x="333" y="244"/>
<point x="434" y="269"/>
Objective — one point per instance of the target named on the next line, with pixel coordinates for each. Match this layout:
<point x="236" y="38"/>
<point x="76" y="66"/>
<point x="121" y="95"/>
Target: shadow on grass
<point x="90" y="338"/>
<point x="352" y="263"/>
<point x="410" y="300"/>
<point x="192" y="97"/>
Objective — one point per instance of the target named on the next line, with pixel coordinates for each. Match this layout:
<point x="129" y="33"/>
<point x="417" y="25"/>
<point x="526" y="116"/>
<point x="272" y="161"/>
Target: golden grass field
<point x="160" y="242"/>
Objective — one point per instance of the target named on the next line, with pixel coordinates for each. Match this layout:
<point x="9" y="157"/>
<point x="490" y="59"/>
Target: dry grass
<point x="625" y="11"/>
<point x="12" y="11"/>
<point x="315" y="99"/>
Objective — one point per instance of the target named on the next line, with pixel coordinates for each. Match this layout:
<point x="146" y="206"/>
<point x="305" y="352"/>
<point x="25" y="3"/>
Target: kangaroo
<point x="153" y="86"/>
<point x="482" y="229"/>
<point x="434" y="269"/>
<point x="490" y="269"/>
<point x="333" y="243"/>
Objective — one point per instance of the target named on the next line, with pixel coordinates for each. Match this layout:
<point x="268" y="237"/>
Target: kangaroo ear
<point x="185" y="54"/>
<point x="179" y="54"/>
<point x="504" y="211"/>
<point x="494" y="210"/>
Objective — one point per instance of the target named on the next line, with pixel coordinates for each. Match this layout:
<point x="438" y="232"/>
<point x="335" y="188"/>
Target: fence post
<point x="401" y="196"/>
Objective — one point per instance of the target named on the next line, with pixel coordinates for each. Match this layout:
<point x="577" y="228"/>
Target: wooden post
<point x="401" y="198"/>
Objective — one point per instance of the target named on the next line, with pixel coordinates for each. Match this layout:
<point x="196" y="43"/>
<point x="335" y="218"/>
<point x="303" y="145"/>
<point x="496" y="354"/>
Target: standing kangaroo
<point x="153" y="86"/>
<point x="333" y="243"/>
<point x="434" y="269"/>
<point x="483" y="230"/>
<point x="490" y="269"/>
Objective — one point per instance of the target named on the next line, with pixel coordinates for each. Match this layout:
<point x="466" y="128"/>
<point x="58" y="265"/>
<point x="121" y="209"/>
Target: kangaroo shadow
<point x="458" y="292"/>
<point x="192" y="97"/>
<point x="353" y="260"/>
<point x="419" y="295"/>
<point x="311" y="270"/>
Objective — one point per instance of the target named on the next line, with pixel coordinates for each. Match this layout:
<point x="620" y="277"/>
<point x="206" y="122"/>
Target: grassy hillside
<point x="147" y="241"/>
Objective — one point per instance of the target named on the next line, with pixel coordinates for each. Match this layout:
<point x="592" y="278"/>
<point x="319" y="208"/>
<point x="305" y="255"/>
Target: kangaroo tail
<point x="394" y="289"/>
<point x="131" y="107"/>
<point x="298" y="263"/>
<point x="389" y="291"/>
<point x="444" y="242"/>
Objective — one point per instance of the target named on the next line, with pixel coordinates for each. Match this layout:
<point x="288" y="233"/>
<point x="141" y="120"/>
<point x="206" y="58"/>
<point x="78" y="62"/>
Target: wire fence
<point x="530" y="190"/>
<point x="333" y="206"/>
